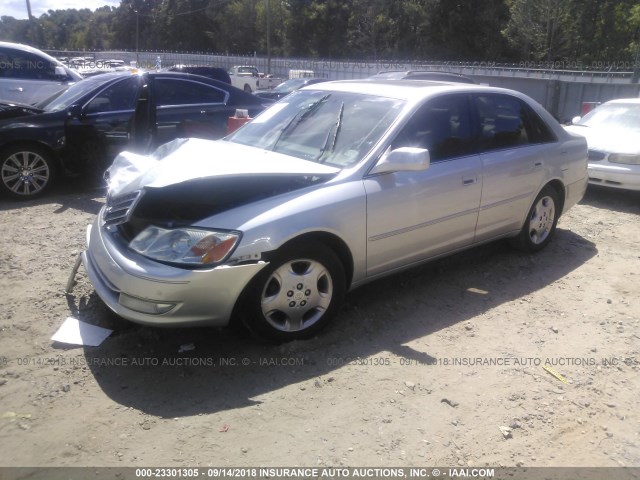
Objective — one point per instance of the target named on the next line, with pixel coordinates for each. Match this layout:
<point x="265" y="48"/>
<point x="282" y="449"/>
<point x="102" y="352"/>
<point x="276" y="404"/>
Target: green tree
<point x="130" y="12"/>
<point x="319" y="28"/>
<point x="233" y="26"/>
<point x="467" y="30"/>
<point x="279" y="15"/>
<point x="14" y="30"/>
<point x="540" y="29"/>
<point x="181" y="25"/>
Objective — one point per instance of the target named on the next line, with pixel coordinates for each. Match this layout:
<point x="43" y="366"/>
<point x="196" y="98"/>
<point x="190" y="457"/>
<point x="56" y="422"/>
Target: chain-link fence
<point x="561" y="88"/>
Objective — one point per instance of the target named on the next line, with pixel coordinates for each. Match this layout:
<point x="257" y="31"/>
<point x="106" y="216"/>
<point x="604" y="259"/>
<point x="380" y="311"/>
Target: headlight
<point x="188" y="246"/>
<point x="626" y="159"/>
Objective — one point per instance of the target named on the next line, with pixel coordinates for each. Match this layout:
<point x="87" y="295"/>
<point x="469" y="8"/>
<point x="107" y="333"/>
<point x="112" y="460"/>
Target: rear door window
<point x="175" y="91"/>
<point x="508" y="122"/>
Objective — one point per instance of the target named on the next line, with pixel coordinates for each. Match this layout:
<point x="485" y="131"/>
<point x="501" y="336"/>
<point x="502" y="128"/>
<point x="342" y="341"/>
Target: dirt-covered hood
<point x="187" y="160"/>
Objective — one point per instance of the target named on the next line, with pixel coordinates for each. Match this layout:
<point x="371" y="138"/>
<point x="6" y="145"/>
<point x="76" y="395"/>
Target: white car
<point x="334" y="186"/>
<point x="612" y="131"/>
<point x="28" y="75"/>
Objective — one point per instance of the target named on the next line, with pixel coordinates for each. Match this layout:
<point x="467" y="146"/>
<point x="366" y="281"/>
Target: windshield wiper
<point x="299" y="118"/>
<point x="330" y="141"/>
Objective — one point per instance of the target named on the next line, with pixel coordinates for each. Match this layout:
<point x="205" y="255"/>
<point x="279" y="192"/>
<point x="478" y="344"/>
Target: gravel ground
<point x="440" y="365"/>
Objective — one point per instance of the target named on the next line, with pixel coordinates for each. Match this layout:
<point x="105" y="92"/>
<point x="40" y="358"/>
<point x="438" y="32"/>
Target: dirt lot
<point x="422" y="368"/>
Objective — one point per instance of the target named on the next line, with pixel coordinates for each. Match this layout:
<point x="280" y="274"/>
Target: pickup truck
<point x="249" y="79"/>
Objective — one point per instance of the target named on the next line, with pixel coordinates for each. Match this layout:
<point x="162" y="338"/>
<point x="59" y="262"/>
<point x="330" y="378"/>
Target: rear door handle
<point x="17" y="89"/>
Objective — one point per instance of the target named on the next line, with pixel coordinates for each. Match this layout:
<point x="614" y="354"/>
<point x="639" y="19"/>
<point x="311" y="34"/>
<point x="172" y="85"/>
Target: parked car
<point x="342" y="184"/>
<point x="211" y="72"/>
<point x="100" y="66"/>
<point x="249" y="79"/>
<point x="423" y="75"/>
<point x="612" y="131"/>
<point x="286" y="87"/>
<point x="87" y="125"/>
<point x="28" y="75"/>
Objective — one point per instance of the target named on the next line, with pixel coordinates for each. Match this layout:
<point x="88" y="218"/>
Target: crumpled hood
<point x="16" y="110"/>
<point x="183" y="160"/>
<point x="608" y="140"/>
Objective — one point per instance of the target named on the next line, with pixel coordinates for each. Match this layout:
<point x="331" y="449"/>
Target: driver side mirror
<point x="403" y="159"/>
<point x="60" y="72"/>
<point x="74" y="111"/>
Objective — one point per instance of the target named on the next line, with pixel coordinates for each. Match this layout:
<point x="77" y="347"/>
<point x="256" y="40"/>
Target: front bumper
<point x="617" y="176"/>
<point x="151" y="293"/>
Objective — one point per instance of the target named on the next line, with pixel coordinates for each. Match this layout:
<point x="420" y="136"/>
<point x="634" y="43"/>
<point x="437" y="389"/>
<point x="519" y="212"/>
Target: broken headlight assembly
<point x="185" y="246"/>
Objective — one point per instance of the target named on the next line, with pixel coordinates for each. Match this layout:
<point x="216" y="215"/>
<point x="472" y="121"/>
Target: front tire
<point x="296" y="295"/>
<point x="26" y="171"/>
<point x="540" y="225"/>
<point x="247" y="88"/>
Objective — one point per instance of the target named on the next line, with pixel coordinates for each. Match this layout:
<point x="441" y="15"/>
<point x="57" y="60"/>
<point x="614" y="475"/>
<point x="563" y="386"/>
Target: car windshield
<point x="335" y="128"/>
<point x="614" y="116"/>
<point x="72" y="94"/>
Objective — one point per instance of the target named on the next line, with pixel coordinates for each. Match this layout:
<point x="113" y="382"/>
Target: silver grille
<point x="118" y="209"/>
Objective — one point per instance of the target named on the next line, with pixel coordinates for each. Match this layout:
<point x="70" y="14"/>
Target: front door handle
<point x="469" y="181"/>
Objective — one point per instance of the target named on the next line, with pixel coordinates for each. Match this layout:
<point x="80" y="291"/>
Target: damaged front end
<point x="187" y="181"/>
<point x="187" y="203"/>
<point x="148" y="256"/>
<point x="150" y="292"/>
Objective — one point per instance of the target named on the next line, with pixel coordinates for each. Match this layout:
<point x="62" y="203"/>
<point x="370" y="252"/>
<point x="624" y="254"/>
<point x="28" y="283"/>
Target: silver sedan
<point x="336" y="185"/>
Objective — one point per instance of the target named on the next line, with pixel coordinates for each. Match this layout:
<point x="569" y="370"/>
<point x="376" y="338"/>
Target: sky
<point x="18" y="8"/>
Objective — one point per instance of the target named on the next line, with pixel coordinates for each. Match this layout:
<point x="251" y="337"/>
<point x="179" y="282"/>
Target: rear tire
<point x="26" y="171"/>
<point x="540" y="224"/>
<point x="296" y="295"/>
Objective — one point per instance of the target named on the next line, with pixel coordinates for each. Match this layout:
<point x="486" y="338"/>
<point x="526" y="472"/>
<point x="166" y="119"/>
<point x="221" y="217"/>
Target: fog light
<point x="145" y="306"/>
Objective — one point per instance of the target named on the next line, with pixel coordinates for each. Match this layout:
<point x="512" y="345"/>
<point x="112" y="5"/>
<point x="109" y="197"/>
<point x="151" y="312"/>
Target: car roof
<point x="29" y="49"/>
<point x="624" y="100"/>
<point x="190" y="76"/>
<point x="215" y="73"/>
<point x="401" y="89"/>
<point x="106" y="76"/>
<point x="423" y="75"/>
<point x="200" y="68"/>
